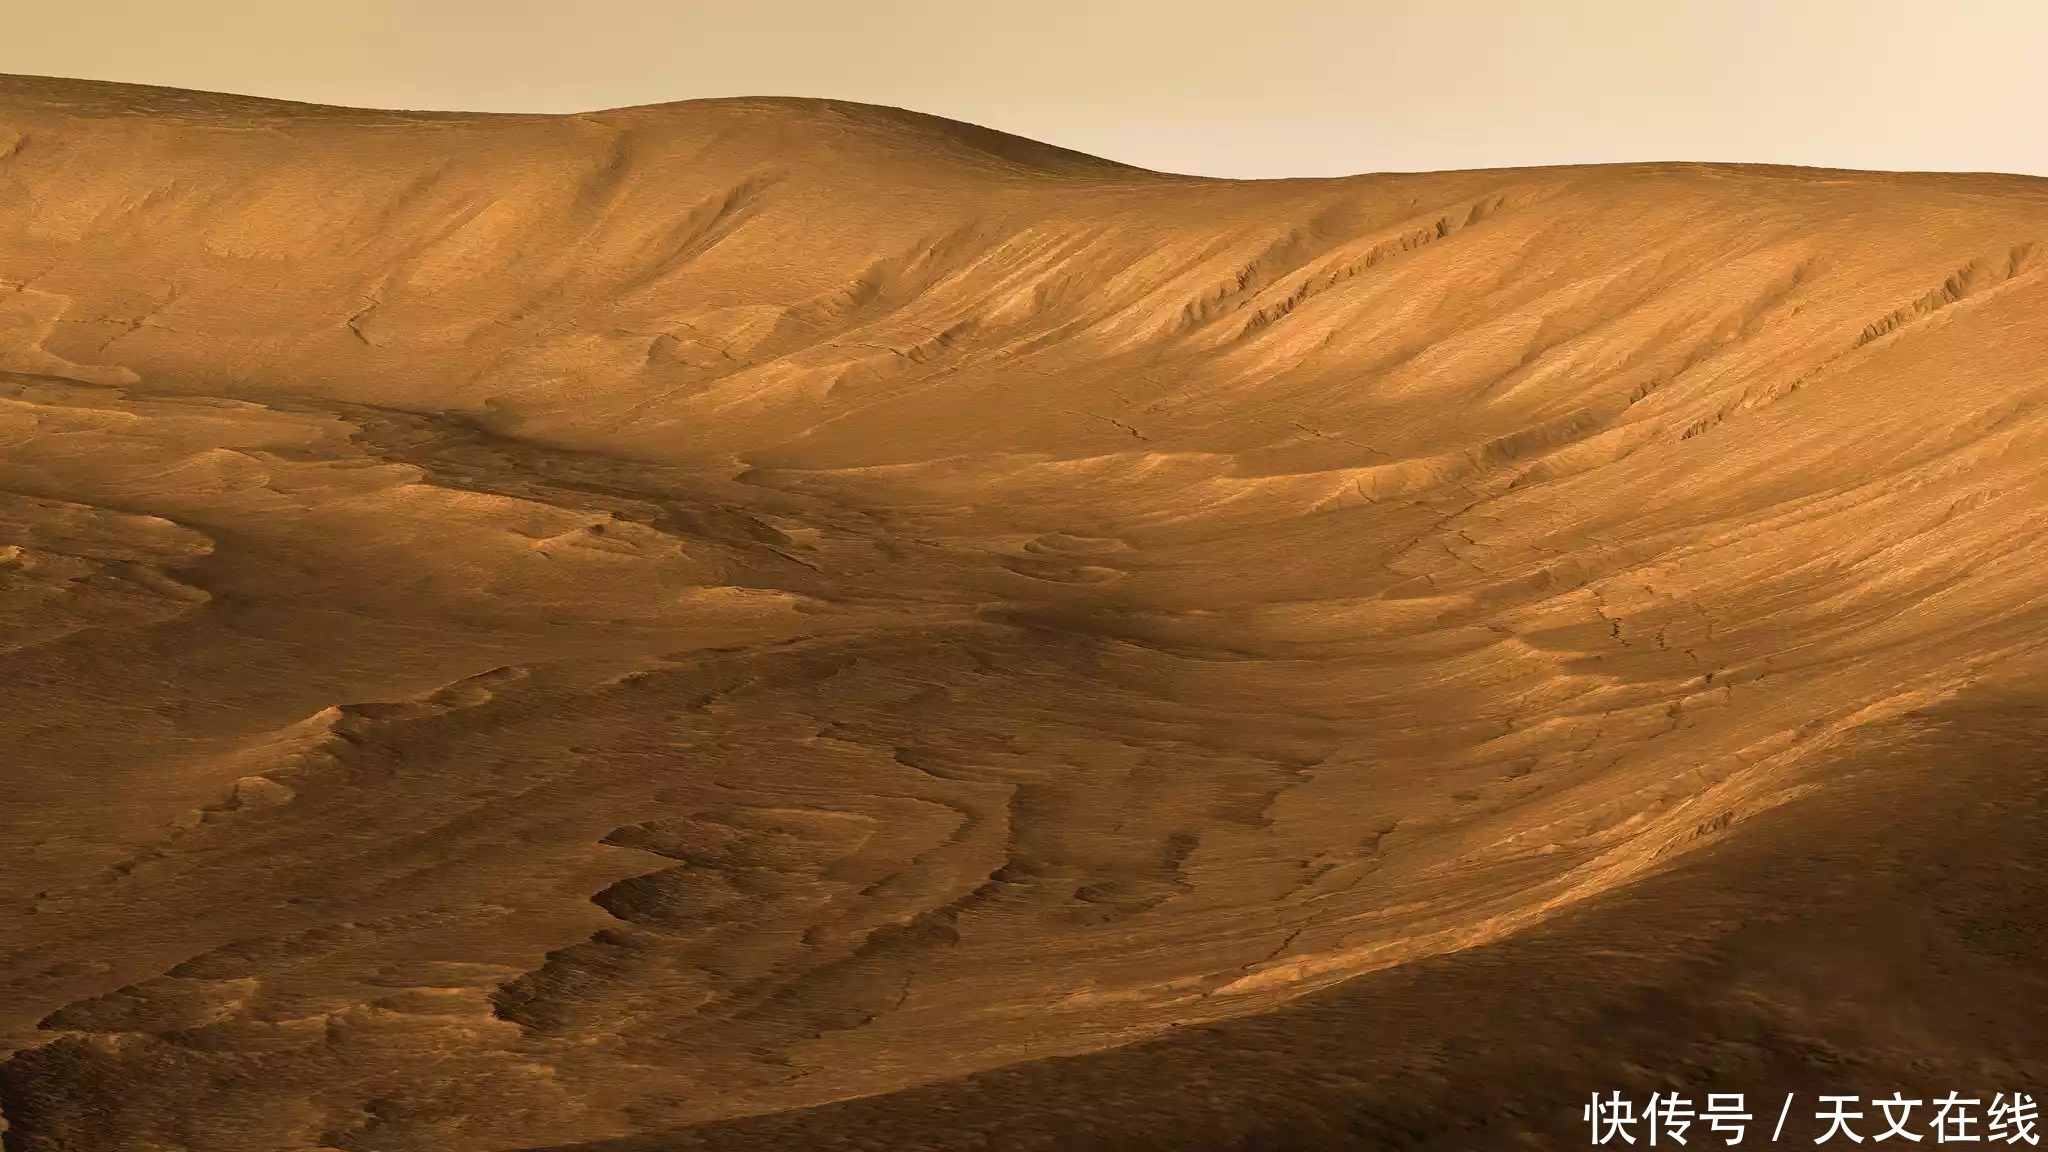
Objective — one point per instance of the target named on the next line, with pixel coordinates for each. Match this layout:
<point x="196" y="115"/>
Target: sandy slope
<point x="517" y="631"/>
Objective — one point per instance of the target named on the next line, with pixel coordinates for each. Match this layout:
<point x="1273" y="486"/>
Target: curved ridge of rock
<point x="524" y="631"/>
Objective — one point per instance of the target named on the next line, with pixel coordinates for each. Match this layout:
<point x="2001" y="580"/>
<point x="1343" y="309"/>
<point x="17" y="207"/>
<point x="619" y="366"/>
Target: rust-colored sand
<point x="521" y="632"/>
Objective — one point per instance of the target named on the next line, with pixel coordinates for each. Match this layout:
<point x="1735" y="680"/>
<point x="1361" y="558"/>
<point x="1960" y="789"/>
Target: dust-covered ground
<point x="790" y="624"/>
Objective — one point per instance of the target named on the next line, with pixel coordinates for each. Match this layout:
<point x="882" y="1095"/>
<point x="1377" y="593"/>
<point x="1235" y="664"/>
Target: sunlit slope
<point x="527" y="629"/>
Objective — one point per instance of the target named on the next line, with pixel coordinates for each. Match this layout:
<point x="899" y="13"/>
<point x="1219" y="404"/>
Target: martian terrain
<point x="788" y="624"/>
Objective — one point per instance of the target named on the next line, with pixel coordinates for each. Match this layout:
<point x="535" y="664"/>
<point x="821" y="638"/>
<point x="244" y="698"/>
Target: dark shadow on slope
<point x="1888" y="931"/>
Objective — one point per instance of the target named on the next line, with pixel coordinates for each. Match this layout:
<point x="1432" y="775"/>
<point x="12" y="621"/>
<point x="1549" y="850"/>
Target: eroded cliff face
<point x="521" y="630"/>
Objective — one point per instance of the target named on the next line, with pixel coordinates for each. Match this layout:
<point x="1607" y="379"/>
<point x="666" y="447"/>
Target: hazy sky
<point x="1249" y="88"/>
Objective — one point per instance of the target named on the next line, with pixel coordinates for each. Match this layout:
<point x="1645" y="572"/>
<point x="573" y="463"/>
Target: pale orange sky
<point x="1255" y="88"/>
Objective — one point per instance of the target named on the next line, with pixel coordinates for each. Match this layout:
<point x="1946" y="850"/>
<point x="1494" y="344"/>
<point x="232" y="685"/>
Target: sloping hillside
<point x="527" y="630"/>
